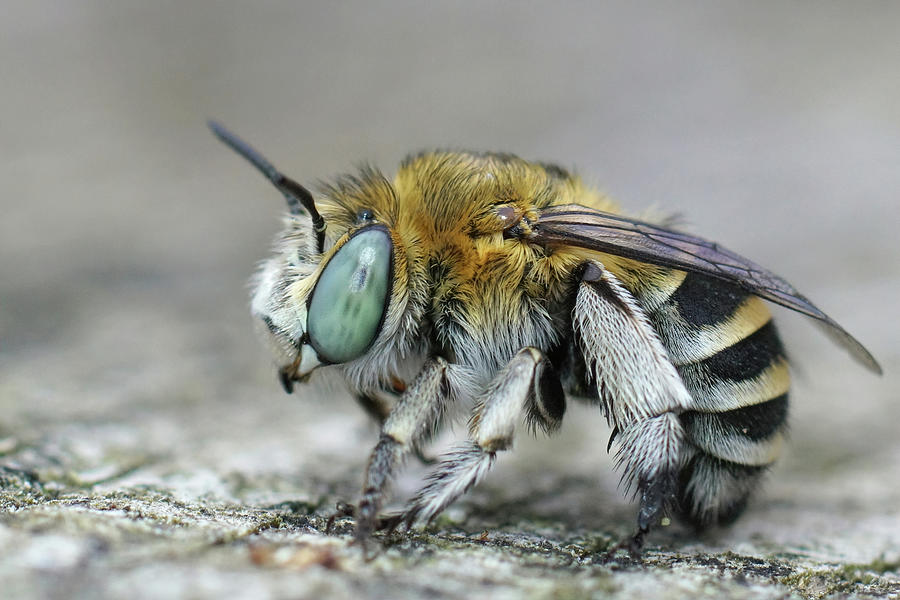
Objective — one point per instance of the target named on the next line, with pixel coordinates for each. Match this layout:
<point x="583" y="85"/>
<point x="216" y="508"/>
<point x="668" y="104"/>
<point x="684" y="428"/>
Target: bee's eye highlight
<point x="351" y="297"/>
<point x="364" y="216"/>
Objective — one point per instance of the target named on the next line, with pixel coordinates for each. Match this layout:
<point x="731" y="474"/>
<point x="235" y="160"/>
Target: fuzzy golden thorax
<point x="486" y="294"/>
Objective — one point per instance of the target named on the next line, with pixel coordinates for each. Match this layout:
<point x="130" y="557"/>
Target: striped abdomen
<point x="726" y="349"/>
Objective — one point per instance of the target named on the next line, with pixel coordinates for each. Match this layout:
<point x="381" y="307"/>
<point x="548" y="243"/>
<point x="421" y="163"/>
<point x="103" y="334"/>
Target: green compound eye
<point x="351" y="297"/>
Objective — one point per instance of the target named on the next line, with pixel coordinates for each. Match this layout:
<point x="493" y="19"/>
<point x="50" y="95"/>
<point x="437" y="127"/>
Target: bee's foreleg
<point x="528" y="386"/>
<point x="411" y="419"/>
<point x="378" y="410"/>
<point x="641" y="391"/>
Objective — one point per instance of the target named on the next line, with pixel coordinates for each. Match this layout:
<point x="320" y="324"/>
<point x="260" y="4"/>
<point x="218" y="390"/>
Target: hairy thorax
<point x="489" y="294"/>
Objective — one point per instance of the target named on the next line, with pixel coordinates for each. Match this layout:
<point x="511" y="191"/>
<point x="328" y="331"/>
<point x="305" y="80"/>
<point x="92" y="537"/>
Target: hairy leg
<point x="640" y="390"/>
<point x="378" y="409"/>
<point x="412" y="420"/>
<point x="527" y="387"/>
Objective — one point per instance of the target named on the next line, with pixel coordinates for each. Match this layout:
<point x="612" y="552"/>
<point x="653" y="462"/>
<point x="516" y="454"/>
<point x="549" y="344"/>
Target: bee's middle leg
<point x="528" y="386"/>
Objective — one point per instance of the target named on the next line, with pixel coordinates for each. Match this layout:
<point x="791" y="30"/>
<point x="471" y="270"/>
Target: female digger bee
<point x="486" y="279"/>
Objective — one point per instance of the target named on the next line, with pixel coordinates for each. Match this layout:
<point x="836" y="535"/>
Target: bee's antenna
<point x="298" y="197"/>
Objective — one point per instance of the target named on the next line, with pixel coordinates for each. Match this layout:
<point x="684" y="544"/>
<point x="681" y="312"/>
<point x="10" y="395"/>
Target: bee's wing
<point x="576" y="225"/>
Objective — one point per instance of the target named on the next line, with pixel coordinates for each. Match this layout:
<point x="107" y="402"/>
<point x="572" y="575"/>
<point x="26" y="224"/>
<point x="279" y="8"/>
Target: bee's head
<point x="344" y="305"/>
<point x="334" y="313"/>
<point x="329" y="308"/>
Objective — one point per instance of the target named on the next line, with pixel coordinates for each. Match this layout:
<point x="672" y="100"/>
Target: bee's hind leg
<point x="528" y="386"/>
<point x="640" y="390"/>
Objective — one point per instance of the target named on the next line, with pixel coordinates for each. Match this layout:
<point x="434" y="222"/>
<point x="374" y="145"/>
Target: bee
<point x="485" y="280"/>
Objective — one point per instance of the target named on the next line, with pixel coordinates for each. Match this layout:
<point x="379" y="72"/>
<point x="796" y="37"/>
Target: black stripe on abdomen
<point x="702" y="300"/>
<point x="747" y="358"/>
<point x="749" y="434"/>
<point x="757" y="422"/>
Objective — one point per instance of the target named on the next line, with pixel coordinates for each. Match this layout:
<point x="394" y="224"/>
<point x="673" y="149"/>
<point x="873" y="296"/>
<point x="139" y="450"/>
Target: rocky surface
<point x="146" y="449"/>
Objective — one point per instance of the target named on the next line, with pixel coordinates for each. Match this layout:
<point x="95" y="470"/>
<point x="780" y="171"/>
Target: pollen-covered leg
<point x="527" y="387"/>
<point x="410" y="421"/>
<point x="639" y="388"/>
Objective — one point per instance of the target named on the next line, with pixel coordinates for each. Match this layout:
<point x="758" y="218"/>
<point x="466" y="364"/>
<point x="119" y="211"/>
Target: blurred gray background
<point x="127" y="233"/>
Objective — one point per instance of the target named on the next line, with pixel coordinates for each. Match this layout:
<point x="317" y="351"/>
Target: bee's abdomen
<point x="725" y="347"/>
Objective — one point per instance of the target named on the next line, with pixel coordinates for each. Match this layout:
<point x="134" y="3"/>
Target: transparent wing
<point x="576" y="225"/>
